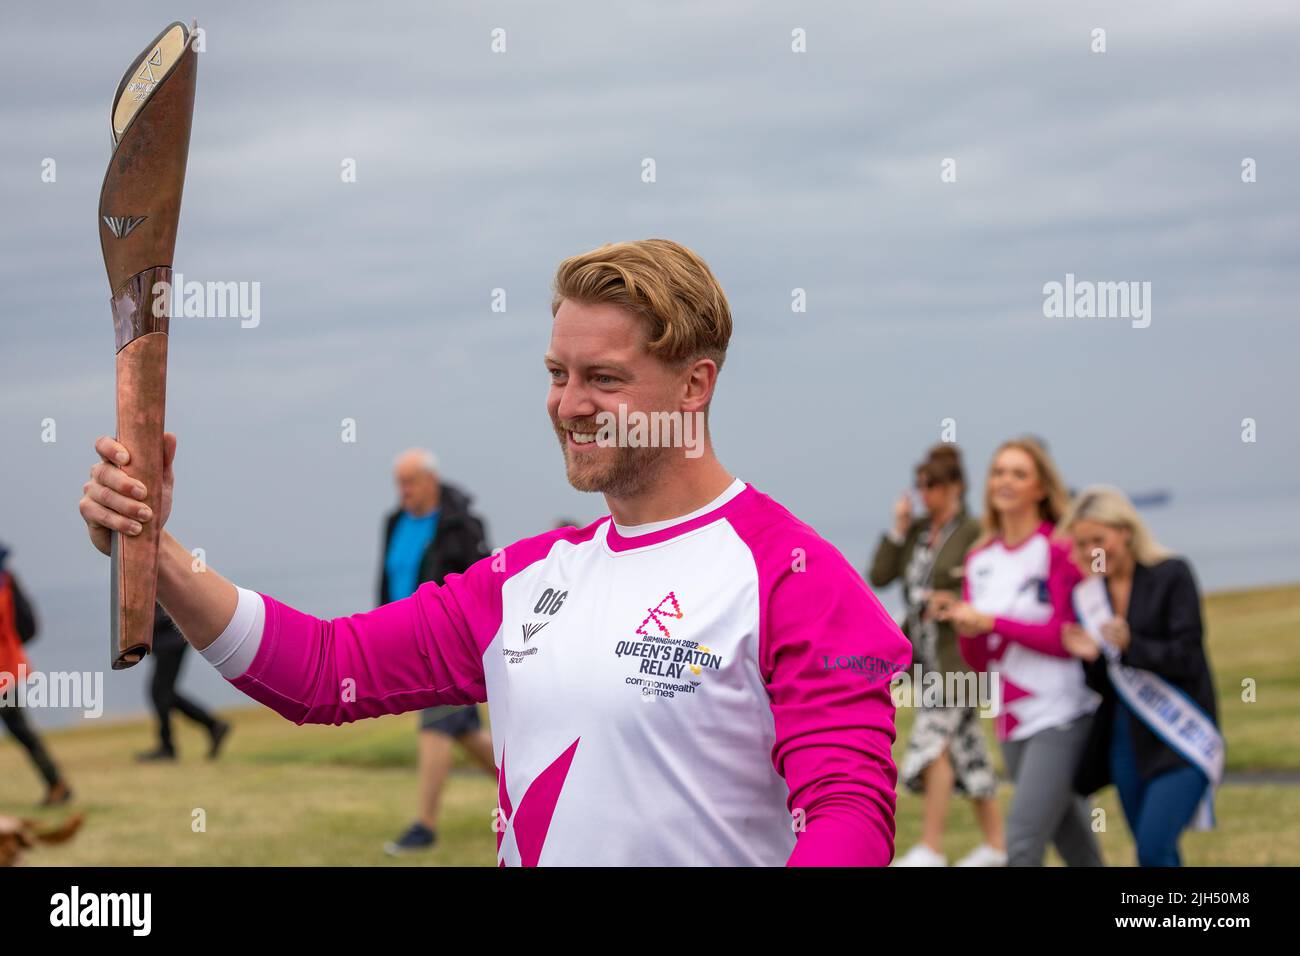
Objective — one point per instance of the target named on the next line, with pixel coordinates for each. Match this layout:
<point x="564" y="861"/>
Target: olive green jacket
<point x="891" y="561"/>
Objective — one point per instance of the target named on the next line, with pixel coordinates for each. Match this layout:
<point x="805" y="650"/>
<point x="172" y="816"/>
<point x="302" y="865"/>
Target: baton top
<point x="145" y="73"/>
<point x="140" y="200"/>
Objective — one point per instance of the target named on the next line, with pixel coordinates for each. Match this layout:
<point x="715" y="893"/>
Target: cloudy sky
<point x="819" y="170"/>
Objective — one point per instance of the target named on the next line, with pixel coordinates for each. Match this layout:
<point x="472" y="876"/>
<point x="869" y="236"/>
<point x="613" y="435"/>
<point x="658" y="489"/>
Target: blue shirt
<point x="411" y="537"/>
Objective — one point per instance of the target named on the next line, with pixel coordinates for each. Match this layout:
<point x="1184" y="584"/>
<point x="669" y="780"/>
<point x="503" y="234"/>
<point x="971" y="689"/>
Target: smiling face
<point x="1014" y="485"/>
<point x="1100" y="548"/>
<point x="597" y="361"/>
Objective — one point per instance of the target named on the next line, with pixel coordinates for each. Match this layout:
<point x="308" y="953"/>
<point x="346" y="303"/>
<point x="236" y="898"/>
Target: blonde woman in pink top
<point x="1016" y="591"/>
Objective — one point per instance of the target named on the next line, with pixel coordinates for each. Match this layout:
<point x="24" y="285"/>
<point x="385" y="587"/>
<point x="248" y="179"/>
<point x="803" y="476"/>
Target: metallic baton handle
<point x="141" y="407"/>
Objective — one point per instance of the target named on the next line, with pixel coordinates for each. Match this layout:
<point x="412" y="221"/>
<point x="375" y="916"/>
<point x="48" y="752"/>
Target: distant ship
<point x="1151" y="499"/>
<point x="1142" y="499"/>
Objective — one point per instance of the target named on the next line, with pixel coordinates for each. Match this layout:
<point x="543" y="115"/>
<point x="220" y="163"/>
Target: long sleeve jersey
<point x="1026" y="590"/>
<point x="712" y="690"/>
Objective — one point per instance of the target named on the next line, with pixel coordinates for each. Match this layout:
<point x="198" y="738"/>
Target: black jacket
<point x="1167" y="638"/>
<point x="459" y="541"/>
<point x="24" y="615"/>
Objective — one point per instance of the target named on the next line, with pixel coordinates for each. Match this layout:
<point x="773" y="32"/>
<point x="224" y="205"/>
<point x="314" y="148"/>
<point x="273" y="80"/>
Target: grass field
<point x="332" y="795"/>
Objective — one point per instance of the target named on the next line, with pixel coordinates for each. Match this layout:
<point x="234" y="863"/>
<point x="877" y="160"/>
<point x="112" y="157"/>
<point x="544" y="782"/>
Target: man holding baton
<point x="696" y="678"/>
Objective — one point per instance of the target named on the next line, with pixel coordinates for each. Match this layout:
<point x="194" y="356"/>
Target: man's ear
<point x="700" y="379"/>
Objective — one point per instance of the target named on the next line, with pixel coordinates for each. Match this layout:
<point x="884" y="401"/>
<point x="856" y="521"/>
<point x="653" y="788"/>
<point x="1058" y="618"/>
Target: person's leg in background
<point x="478" y="744"/>
<point x="216" y="727"/>
<point x="57" y="790"/>
<point x="975" y="777"/>
<point x="434" y="768"/>
<point x="1043" y="768"/>
<point x="1167" y="808"/>
<point x="927" y="769"/>
<point x="1020" y="831"/>
<point x="162" y="686"/>
<point x="168" y="657"/>
<point x="1074" y="837"/>
<point x="439" y="727"/>
<point x="938" y="781"/>
<point x="1124" y="770"/>
<point x="988" y="815"/>
<point x="1157" y="810"/>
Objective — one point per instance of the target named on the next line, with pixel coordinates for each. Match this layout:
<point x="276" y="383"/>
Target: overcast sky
<point x="819" y="170"/>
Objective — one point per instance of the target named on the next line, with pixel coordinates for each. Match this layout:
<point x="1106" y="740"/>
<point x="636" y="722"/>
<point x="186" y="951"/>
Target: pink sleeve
<point x="828" y="651"/>
<point x="1045" y="638"/>
<point x="419" y="652"/>
<point x="974" y="647"/>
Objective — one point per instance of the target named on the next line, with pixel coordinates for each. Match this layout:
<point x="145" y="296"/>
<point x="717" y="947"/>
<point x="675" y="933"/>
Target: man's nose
<point x="575" y="402"/>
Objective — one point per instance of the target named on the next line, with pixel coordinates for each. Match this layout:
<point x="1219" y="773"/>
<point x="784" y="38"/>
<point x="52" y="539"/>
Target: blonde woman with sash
<point x="1142" y="643"/>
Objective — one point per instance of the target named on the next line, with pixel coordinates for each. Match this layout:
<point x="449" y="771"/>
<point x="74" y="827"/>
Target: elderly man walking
<point x="432" y="533"/>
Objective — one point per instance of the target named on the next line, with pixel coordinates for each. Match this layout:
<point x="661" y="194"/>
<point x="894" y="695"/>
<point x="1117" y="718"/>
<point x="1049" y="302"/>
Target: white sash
<point x="1170" y="714"/>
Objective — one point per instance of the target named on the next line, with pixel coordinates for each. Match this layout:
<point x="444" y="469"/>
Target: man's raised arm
<point x="201" y="603"/>
<point x="418" y="652"/>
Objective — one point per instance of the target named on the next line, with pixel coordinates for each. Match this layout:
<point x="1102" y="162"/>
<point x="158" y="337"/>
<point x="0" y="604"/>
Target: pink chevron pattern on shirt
<point x="531" y="820"/>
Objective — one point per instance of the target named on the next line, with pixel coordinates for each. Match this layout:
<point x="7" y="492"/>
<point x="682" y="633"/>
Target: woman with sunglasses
<point x="946" y="750"/>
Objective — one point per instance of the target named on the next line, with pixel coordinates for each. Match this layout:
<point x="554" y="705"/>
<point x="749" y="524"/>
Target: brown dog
<point x="17" y="835"/>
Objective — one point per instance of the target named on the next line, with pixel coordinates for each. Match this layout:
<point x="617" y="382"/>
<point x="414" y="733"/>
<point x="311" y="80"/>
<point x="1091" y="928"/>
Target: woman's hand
<point x="1116" y="633"/>
<point x="966" y="620"/>
<point x="1079" y="642"/>
<point x="939" y="604"/>
<point x="902" y="514"/>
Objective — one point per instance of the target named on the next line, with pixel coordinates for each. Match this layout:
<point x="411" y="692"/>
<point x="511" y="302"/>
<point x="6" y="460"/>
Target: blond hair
<point x="1056" y="499"/>
<point x="1111" y="507"/>
<point x="662" y="283"/>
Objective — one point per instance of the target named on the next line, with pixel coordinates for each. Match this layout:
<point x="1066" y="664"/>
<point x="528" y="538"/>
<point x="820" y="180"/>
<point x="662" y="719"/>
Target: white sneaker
<point x="983" y="855"/>
<point x="921" y="855"/>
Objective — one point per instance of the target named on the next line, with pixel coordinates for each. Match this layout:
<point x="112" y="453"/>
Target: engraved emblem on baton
<point x="139" y="205"/>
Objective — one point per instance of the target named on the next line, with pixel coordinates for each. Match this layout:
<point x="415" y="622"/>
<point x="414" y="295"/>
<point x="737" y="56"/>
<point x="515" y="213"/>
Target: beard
<point x="621" y="472"/>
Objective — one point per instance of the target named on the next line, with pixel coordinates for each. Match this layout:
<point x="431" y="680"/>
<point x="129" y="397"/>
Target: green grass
<point x="1253" y="637"/>
<point x="280" y="794"/>
<point x="332" y="795"/>
<point x="1256" y="826"/>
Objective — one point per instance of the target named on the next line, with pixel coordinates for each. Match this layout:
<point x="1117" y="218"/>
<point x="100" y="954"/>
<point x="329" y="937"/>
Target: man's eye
<point x="605" y="380"/>
<point x="555" y="373"/>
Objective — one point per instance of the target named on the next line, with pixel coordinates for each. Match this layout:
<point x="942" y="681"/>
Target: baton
<point x="139" y="205"/>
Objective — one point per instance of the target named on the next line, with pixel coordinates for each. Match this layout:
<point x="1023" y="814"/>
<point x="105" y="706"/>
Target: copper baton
<point x="139" y="205"/>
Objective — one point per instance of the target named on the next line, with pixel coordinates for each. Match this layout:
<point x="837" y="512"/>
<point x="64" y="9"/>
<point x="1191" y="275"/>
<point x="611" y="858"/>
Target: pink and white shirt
<point x="1026" y="589"/>
<point x="709" y="690"/>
